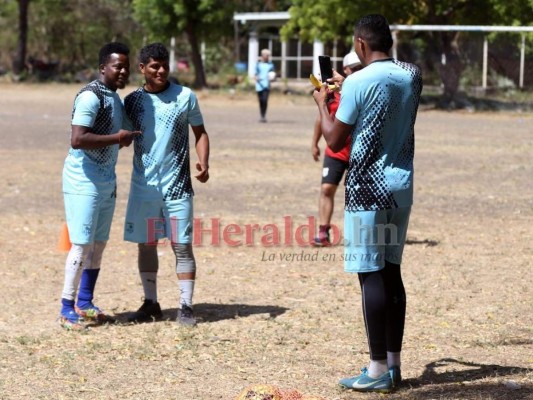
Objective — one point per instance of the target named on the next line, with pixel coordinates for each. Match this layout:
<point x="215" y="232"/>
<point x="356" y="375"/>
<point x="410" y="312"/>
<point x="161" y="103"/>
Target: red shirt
<point x="344" y="154"/>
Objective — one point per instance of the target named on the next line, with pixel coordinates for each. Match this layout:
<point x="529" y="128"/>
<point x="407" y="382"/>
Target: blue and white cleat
<point x="364" y="383"/>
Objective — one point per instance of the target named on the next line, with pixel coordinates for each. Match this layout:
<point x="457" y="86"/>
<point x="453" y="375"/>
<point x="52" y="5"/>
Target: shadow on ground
<point x="458" y="380"/>
<point x="211" y="312"/>
<point x="425" y="242"/>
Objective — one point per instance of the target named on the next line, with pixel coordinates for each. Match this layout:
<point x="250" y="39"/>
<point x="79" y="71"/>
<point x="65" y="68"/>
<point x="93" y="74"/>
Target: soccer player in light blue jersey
<point x="89" y="182"/>
<point x="264" y="73"/>
<point x="378" y="110"/>
<point x="160" y="204"/>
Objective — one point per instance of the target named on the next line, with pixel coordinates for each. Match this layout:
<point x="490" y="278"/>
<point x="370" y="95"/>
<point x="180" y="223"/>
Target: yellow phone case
<point x="317" y="84"/>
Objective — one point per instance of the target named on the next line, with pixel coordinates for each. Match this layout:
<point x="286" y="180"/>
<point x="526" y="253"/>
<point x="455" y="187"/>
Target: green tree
<point x="73" y="32"/>
<point x="8" y="33"/>
<point x="199" y="20"/>
<point x="334" y="20"/>
<point x="62" y="31"/>
<point x="465" y="12"/>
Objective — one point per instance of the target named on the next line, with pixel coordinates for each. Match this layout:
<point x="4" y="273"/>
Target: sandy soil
<point x="285" y="315"/>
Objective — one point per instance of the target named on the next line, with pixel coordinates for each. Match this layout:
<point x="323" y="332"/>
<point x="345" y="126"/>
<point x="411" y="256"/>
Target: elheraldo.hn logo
<point x="287" y="232"/>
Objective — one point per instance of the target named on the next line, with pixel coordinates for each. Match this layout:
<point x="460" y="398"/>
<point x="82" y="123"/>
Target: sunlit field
<point x="280" y="313"/>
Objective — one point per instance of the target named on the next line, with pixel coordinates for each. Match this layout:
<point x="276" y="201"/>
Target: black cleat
<point x="149" y="311"/>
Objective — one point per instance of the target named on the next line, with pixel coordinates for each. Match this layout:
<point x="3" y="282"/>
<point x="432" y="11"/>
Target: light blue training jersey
<point x="92" y="172"/>
<point x="381" y="101"/>
<point x="161" y="167"/>
<point x="261" y="72"/>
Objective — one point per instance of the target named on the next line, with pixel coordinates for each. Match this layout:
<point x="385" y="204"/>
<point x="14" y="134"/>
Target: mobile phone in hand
<point x="326" y="69"/>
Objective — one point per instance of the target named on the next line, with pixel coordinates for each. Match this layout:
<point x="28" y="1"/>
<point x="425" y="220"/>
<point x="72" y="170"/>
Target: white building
<point x="294" y="58"/>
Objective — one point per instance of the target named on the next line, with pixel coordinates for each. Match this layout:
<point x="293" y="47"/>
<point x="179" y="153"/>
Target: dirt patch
<point x="284" y="315"/>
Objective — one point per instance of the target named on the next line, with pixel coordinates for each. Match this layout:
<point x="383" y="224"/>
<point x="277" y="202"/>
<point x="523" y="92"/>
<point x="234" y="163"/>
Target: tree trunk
<point x="445" y="46"/>
<point x="19" y="63"/>
<point x="199" y="73"/>
<point x="450" y="72"/>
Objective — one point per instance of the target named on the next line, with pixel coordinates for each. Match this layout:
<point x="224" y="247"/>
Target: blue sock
<point x="66" y="306"/>
<point x="87" y="284"/>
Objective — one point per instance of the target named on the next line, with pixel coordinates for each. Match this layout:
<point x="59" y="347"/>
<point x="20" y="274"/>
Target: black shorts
<point x="333" y="170"/>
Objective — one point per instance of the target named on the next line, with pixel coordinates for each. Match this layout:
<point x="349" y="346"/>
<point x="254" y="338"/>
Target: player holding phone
<point x="378" y="111"/>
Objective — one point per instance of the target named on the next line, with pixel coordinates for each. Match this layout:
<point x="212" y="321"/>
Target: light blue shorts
<point x="89" y="217"/>
<point x="150" y="220"/>
<point x="373" y="237"/>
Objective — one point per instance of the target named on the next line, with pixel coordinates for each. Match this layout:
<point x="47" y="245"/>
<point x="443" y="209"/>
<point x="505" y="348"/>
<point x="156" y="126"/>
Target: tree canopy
<point x="328" y="20"/>
<point x="335" y="19"/>
<point x="71" y="32"/>
<point x="66" y="31"/>
<point x="199" y="20"/>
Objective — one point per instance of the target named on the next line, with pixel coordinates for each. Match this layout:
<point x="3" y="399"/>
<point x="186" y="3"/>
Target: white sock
<point x="149" y="281"/>
<point x="186" y="291"/>
<point x="376" y="368"/>
<point x="394" y="359"/>
<point x="73" y="268"/>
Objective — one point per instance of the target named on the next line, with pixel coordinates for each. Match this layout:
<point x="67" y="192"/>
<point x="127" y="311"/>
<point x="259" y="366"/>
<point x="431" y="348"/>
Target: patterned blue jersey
<point x="381" y="101"/>
<point x="261" y="72"/>
<point x="93" y="171"/>
<point x="161" y="157"/>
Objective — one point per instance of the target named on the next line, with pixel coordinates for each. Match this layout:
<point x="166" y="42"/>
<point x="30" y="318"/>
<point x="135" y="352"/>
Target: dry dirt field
<point x="264" y="317"/>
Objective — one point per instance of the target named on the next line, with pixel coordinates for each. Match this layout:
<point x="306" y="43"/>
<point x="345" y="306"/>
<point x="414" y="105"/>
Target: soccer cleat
<point x="185" y="316"/>
<point x="322" y="240"/>
<point x="395" y="375"/>
<point x="71" y="321"/>
<point x="364" y="383"/>
<point x="93" y="313"/>
<point x="149" y="311"/>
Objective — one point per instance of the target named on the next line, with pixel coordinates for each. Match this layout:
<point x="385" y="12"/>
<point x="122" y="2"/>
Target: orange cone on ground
<point x="64" y="239"/>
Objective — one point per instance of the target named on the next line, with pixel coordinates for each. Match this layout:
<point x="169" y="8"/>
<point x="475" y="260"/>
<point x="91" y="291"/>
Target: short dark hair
<point x="375" y="30"/>
<point x="112" y="48"/>
<point x="155" y="51"/>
